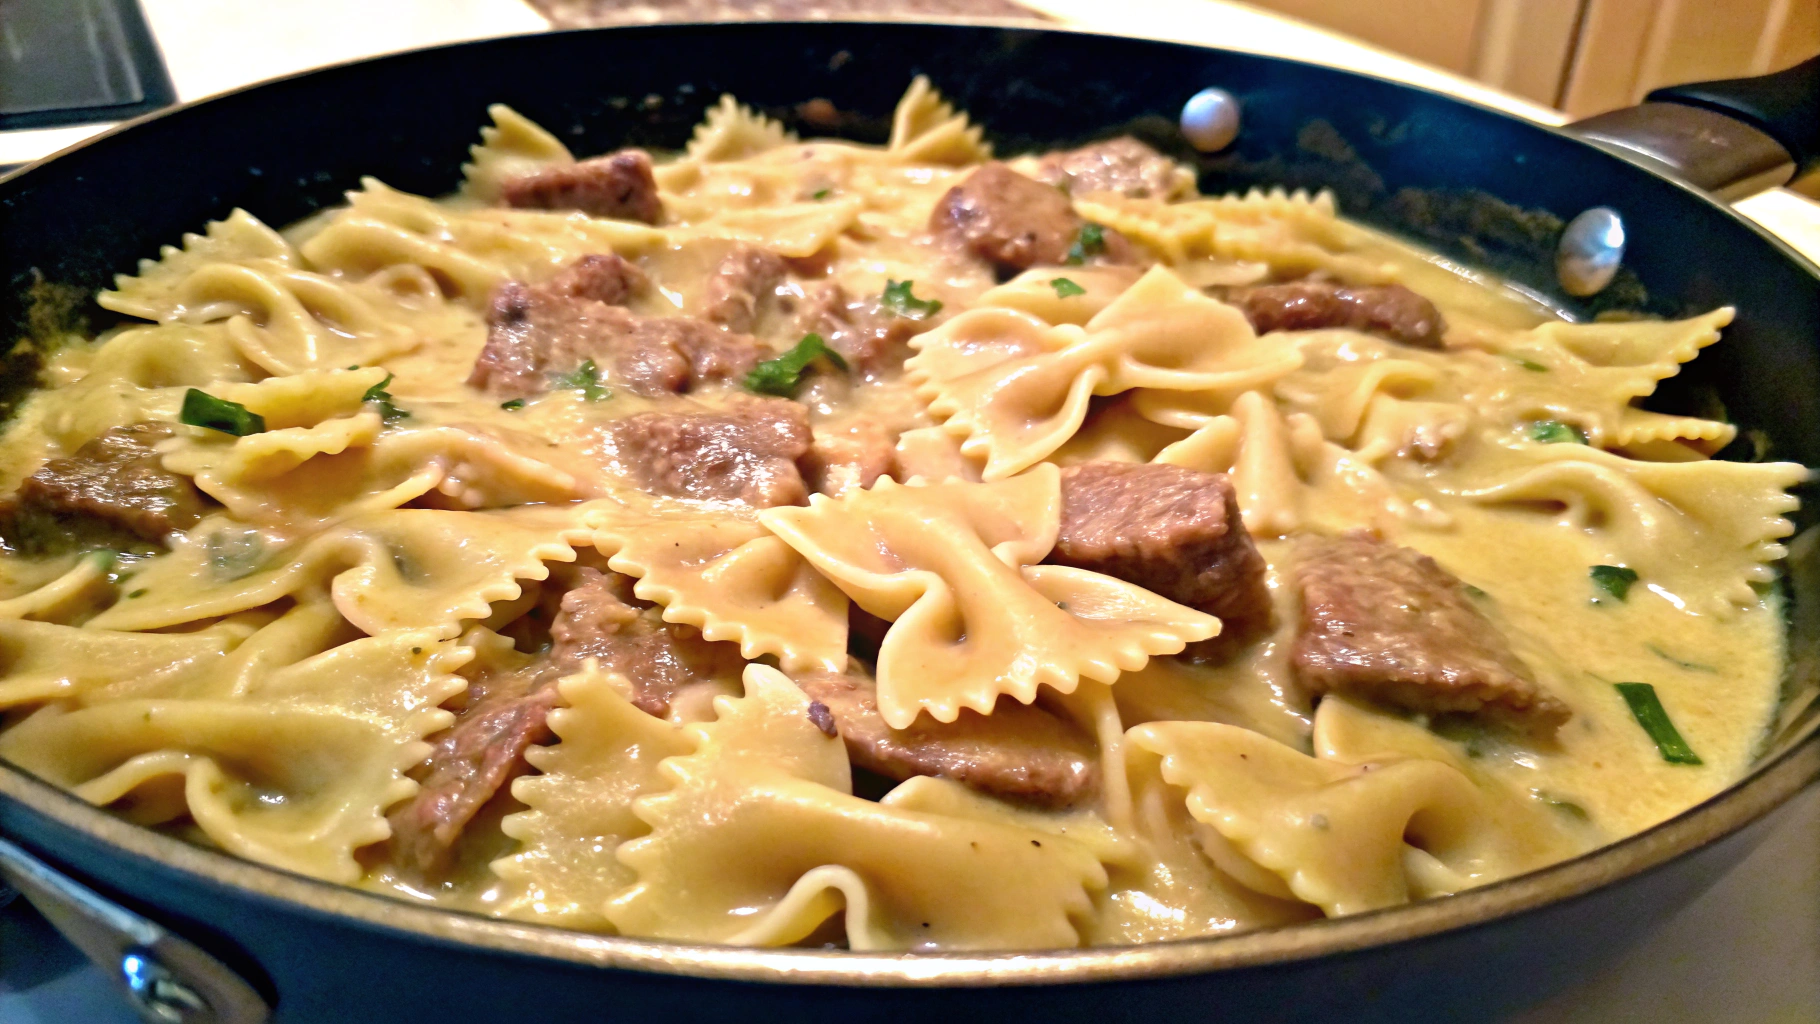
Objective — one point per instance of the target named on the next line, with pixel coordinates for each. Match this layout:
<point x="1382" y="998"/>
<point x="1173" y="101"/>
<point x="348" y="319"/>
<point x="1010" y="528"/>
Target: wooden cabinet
<point x="1583" y="56"/>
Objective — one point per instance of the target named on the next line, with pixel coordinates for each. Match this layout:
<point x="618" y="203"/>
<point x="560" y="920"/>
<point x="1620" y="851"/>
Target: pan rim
<point x="1770" y="783"/>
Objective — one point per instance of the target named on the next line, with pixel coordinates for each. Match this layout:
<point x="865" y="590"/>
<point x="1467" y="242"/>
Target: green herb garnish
<point x="1647" y="708"/>
<point x="1566" y="807"/>
<point x="380" y="397"/>
<point x="585" y="379"/>
<point x="820" y="193"/>
<point x="1555" y="432"/>
<point x="1614" y="580"/>
<point x="141" y="592"/>
<point x="1472" y="591"/>
<point x="1090" y="242"/>
<point x="1529" y="364"/>
<point x="513" y="406"/>
<point x="201" y="409"/>
<point x="780" y="376"/>
<point x="1065" y="288"/>
<point x="897" y="299"/>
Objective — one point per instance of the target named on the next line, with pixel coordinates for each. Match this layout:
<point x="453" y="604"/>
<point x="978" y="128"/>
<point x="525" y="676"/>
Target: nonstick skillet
<point x="195" y="935"/>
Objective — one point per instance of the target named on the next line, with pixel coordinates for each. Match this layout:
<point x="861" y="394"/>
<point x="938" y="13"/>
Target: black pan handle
<point x="1732" y="137"/>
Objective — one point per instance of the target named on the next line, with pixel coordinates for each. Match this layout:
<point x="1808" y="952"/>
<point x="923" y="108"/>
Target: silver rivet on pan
<point x="1591" y="249"/>
<point x="1210" y="120"/>
<point x="159" y="994"/>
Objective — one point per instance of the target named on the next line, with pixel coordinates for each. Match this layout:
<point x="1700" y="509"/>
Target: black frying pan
<point x="200" y="936"/>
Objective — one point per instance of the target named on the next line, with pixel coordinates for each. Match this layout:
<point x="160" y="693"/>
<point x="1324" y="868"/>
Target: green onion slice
<point x="780" y="376"/>
<point x="1647" y="708"/>
<point x="1555" y="432"/>
<point x="1614" y="580"/>
<point x="585" y="379"/>
<point x="1065" y="288"/>
<point x="201" y="409"/>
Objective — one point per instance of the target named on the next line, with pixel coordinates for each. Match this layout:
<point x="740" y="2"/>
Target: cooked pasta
<point x="790" y="542"/>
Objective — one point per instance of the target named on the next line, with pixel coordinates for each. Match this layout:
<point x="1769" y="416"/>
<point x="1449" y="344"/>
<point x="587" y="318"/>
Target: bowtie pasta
<point x="791" y="542"/>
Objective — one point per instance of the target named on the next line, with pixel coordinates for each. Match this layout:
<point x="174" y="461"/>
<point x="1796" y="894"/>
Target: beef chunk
<point x="868" y="336"/>
<point x="746" y="452"/>
<point x="504" y="713"/>
<point x="1391" y="311"/>
<point x="114" y="492"/>
<point x="619" y="185"/>
<point x="742" y="278"/>
<point x="1008" y="219"/>
<point x="1123" y="165"/>
<point x="851" y="458"/>
<point x="1386" y="622"/>
<point x="600" y="619"/>
<point x="469" y="762"/>
<point x="1175" y="532"/>
<point x="1019" y="752"/>
<point x="537" y="331"/>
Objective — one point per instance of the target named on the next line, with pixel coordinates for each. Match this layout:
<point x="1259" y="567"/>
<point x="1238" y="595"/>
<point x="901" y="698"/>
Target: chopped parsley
<point x="1614" y="580"/>
<point x="898" y="299"/>
<point x="780" y="376"/>
<point x="1566" y="807"/>
<point x="1647" y="708"/>
<point x="820" y="193"/>
<point x="513" y="406"/>
<point x="1090" y="242"/>
<point x="1065" y="288"/>
<point x="585" y="379"/>
<point x="1555" y="432"/>
<point x="1529" y="364"/>
<point x="201" y="409"/>
<point x="382" y="400"/>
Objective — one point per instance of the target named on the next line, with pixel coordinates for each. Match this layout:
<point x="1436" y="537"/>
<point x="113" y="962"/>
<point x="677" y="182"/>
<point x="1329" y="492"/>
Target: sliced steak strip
<point x="851" y="458"/>
<point x="505" y="712"/>
<point x="746" y="452"/>
<point x="742" y="278"/>
<point x="1176" y="532"/>
<point x="619" y="185"/>
<point x="1019" y="752"/>
<point x="1123" y="165"/>
<point x="537" y="331"/>
<point x="113" y="491"/>
<point x="1391" y="311"/>
<point x="1386" y="622"/>
<point x="601" y="619"/>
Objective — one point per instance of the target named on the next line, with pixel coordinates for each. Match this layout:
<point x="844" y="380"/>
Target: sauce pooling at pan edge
<point x="800" y="542"/>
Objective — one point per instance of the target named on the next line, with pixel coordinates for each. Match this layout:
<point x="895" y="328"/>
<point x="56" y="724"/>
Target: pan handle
<point x="1732" y="138"/>
<point x="167" y="980"/>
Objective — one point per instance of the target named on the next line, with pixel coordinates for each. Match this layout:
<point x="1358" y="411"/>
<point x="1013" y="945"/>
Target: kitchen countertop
<point x="1748" y="950"/>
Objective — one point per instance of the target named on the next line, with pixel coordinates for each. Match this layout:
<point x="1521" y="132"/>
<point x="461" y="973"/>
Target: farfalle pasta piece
<point x="45" y="661"/>
<point x="760" y="817"/>
<point x="398" y="569"/>
<point x="579" y="804"/>
<point x="295" y="773"/>
<point x="732" y="131"/>
<point x="732" y="579"/>
<point x="926" y="129"/>
<point x="1044" y="292"/>
<point x="1174" y="231"/>
<point x="952" y="565"/>
<point x="238" y="239"/>
<point x="1337" y="835"/>
<point x="511" y="146"/>
<point x="1293" y="232"/>
<point x="1681" y="525"/>
<point x="1017" y="389"/>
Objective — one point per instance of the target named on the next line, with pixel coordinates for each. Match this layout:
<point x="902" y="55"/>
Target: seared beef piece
<point x="868" y="336"/>
<point x="618" y="185"/>
<point x="1008" y="219"/>
<point x="504" y="713"/>
<point x="114" y="491"/>
<point x="1123" y="165"/>
<point x="1019" y="752"/>
<point x="1391" y="310"/>
<point x="600" y="619"/>
<point x="746" y="452"/>
<point x="603" y="277"/>
<point x="742" y="278"/>
<point x="537" y="331"/>
<point x="851" y="458"/>
<point x="1386" y="622"/>
<point x="1175" y="532"/>
<point x="469" y="761"/>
